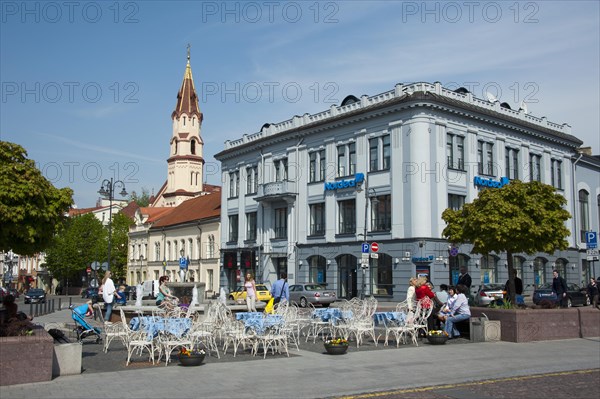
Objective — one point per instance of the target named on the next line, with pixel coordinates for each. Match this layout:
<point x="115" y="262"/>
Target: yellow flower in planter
<point x="438" y="333"/>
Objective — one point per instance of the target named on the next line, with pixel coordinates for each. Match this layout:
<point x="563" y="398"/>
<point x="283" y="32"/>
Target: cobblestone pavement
<point x="580" y="384"/>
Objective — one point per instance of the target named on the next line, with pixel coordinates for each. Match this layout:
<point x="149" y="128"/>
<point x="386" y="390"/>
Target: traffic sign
<point x="365" y="248"/>
<point x="95" y="265"/>
<point x="374" y="247"/>
<point x="88" y="270"/>
<point x="593" y="255"/>
<point x="374" y="255"/>
<point x="365" y="256"/>
<point x="591" y="239"/>
<point x="183" y="263"/>
<point x="453" y="251"/>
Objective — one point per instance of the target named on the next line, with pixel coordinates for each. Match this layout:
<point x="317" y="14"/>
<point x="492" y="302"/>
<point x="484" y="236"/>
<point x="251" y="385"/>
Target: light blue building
<point x="303" y="195"/>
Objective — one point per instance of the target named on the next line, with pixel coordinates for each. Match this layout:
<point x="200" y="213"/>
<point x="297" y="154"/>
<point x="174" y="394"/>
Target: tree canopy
<point x="517" y="218"/>
<point x="142" y="199"/>
<point x="81" y="241"/>
<point x="120" y="230"/>
<point x="31" y="208"/>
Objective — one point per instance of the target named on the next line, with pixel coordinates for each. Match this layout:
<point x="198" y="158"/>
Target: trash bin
<point x="485" y="330"/>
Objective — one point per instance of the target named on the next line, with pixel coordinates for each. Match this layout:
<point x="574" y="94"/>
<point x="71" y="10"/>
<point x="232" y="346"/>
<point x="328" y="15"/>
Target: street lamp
<point x="365" y="265"/>
<point x="107" y="190"/>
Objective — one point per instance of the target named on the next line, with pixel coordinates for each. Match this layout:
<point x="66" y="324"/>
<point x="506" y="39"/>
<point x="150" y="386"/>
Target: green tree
<point x="142" y="199"/>
<point x="81" y="241"/>
<point x="517" y="218"/>
<point x="120" y="231"/>
<point x="31" y="208"/>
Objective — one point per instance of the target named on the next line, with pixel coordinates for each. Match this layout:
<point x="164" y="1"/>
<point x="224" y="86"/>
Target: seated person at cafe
<point x="12" y="311"/>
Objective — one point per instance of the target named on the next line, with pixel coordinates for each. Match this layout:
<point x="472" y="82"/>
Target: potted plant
<point x="336" y="346"/>
<point x="437" y="337"/>
<point x="191" y="357"/>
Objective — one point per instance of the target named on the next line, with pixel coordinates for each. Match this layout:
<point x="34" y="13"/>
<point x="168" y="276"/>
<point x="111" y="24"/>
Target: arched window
<point x="561" y="266"/>
<point x="539" y="271"/>
<point x="317" y="269"/>
<point x="489" y="269"/>
<point x="210" y="247"/>
<point x="381" y="272"/>
<point x="193" y="147"/>
<point x="584" y="213"/>
<point x="168" y="254"/>
<point x="518" y="262"/>
<point x="456" y="262"/>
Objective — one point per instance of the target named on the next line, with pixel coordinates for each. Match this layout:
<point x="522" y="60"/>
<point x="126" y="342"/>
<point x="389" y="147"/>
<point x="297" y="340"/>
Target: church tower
<point x="185" y="162"/>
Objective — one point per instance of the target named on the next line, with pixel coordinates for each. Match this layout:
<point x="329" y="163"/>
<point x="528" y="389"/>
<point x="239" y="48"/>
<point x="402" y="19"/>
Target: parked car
<point x="488" y="293"/>
<point x="262" y="293"/>
<point x="303" y="294"/>
<point x="575" y="295"/>
<point x="35" y="295"/>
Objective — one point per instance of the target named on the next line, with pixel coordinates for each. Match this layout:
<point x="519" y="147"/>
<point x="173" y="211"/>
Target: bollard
<point x="59" y="303"/>
<point x="70" y="299"/>
<point x="52" y="309"/>
<point x="31" y="309"/>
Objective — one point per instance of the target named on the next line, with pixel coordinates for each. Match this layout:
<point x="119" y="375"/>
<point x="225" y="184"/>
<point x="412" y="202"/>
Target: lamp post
<point x="107" y="190"/>
<point x="365" y="265"/>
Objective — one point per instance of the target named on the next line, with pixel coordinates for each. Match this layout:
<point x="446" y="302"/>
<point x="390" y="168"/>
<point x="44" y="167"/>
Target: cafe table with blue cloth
<point x="333" y="314"/>
<point x="259" y="322"/>
<point x="389" y="318"/>
<point x="177" y="326"/>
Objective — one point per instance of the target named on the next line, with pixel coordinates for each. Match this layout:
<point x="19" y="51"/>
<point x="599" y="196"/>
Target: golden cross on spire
<point x="188" y="51"/>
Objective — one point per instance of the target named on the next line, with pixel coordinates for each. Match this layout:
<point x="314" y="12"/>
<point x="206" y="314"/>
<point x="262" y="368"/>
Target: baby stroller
<point x="82" y="327"/>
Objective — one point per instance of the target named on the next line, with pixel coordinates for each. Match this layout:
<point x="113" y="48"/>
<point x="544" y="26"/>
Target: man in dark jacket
<point x="559" y="287"/>
<point x="464" y="278"/>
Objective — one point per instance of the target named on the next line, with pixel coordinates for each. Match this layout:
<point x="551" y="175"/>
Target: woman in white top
<point x="108" y="294"/>
<point x="250" y="293"/>
<point x="411" y="296"/>
<point x="458" y="312"/>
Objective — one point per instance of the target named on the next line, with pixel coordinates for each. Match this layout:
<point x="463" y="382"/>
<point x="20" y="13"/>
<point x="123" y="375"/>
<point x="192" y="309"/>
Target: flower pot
<point x="437" y="339"/>
<point x="336" y="349"/>
<point x="192" y="360"/>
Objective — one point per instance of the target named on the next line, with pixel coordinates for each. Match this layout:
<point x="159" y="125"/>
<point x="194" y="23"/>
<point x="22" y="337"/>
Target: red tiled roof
<point x="203" y="207"/>
<point x="154" y="213"/>
<point x="129" y="209"/>
<point x="83" y="211"/>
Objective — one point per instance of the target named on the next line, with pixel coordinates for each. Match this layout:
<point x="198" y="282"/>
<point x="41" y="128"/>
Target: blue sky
<point x="88" y="87"/>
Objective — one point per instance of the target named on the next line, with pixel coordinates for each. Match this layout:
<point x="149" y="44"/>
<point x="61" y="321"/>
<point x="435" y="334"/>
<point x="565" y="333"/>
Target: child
<point x="121" y="300"/>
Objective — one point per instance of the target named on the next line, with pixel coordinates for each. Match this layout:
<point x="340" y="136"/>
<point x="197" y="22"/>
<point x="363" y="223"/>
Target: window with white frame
<point x="489" y="269"/>
<point x="251" y="226"/>
<point x="347" y="216"/>
<point x="168" y="254"/>
<point x="584" y="213"/>
<point x="535" y="167"/>
<point x="233" y="228"/>
<point x="191" y="248"/>
<point x="316" y="166"/>
<point x="379" y="153"/>
<point x="456" y="201"/>
<point x="381" y="213"/>
<point x="341" y="160"/>
<point x="511" y="160"/>
<point x="317" y="219"/>
<point x="485" y="158"/>
<point x="556" y="173"/>
<point x="234" y="184"/>
<point x="281" y="169"/>
<point x="157" y="252"/>
<point x="210" y="247"/>
<point x="280" y="226"/>
<point x="251" y="180"/>
<point x="455" y="151"/>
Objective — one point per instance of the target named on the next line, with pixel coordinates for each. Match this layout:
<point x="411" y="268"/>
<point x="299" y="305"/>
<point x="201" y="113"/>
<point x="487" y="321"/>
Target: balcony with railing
<point x="275" y="191"/>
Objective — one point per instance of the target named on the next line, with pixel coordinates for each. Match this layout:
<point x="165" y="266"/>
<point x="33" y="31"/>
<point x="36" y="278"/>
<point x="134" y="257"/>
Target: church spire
<point x="187" y="100"/>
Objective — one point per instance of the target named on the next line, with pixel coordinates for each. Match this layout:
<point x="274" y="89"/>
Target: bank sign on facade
<point x="483" y="182"/>
<point x="358" y="179"/>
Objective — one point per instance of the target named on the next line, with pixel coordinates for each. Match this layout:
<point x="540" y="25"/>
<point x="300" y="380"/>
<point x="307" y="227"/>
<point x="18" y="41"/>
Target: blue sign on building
<point x="183" y="263"/>
<point x="358" y="179"/>
<point x="479" y="181"/>
<point x="365" y="248"/>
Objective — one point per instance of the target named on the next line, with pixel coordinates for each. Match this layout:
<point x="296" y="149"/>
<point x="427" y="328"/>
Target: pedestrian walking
<point x="592" y="290"/>
<point x="559" y="287"/>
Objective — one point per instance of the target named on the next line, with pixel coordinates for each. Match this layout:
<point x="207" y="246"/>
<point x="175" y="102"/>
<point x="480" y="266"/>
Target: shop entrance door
<point x="348" y="270"/>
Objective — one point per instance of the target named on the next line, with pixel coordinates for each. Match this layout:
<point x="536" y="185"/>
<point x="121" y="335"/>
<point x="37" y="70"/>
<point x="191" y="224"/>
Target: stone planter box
<point x="67" y="359"/>
<point x="525" y="325"/>
<point x="26" y="359"/>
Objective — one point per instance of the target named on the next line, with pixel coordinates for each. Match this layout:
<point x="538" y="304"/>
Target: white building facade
<point x="299" y="196"/>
